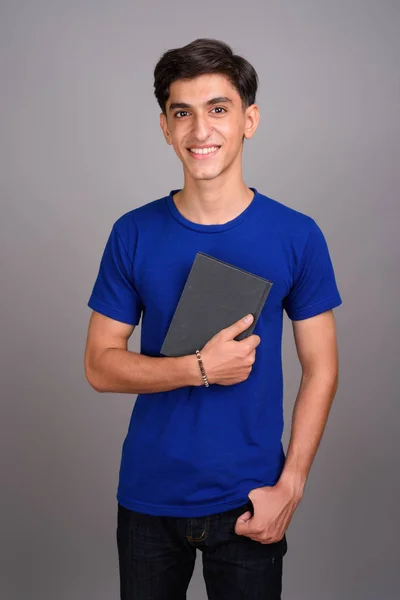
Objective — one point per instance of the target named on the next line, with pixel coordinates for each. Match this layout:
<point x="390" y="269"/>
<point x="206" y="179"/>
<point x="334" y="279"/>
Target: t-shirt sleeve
<point x="314" y="289"/>
<point x="114" y="293"/>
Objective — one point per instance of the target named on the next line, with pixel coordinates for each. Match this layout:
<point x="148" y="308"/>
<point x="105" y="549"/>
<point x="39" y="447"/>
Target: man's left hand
<point x="273" y="509"/>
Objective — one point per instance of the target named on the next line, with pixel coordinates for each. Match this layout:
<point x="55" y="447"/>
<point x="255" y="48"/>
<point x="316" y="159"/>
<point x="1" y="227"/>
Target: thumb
<point x="242" y="523"/>
<point x="245" y="516"/>
<point x="233" y="330"/>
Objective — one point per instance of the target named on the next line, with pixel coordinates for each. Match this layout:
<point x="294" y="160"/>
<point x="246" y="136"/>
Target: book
<point x="215" y="295"/>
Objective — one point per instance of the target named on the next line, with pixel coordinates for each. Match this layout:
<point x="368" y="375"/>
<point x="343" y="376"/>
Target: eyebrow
<point x="217" y="100"/>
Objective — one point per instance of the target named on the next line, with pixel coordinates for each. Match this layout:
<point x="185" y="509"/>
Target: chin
<point x="210" y="172"/>
<point x="204" y="176"/>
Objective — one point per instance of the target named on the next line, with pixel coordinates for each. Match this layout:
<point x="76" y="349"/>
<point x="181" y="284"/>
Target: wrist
<point x="201" y="367"/>
<point x="294" y="480"/>
<point x="191" y="366"/>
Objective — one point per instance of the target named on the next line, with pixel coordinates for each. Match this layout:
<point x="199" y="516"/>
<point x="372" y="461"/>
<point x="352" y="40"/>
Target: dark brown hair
<point x="200" y="57"/>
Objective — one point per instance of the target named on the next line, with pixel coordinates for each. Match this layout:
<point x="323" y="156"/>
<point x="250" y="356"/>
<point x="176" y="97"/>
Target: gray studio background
<point x="81" y="145"/>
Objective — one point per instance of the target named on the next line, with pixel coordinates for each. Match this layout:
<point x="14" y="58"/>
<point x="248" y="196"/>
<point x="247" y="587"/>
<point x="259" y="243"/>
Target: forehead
<point x="198" y="90"/>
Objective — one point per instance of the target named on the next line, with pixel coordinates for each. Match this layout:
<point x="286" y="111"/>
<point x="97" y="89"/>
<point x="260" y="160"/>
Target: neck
<point x="211" y="202"/>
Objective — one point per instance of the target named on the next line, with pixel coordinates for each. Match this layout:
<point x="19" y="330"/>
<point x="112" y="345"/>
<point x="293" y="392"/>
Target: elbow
<point x="330" y="376"/>
<point x="93" y="384"/>
<point x="324" y="368"/>
<point x="92" y="377"/>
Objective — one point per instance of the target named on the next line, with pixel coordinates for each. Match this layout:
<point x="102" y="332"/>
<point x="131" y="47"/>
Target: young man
<point x="203" y="466"/>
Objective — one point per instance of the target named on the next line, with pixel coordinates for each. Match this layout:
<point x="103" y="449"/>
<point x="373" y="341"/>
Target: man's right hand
<point x="227" y="361"/>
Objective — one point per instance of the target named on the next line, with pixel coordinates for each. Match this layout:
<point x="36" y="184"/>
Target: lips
<point x="205" y="155"/>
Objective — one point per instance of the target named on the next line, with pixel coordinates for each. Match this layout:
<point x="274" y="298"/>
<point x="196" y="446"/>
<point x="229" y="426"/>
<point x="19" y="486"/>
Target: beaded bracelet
<point x="203" y="373"/>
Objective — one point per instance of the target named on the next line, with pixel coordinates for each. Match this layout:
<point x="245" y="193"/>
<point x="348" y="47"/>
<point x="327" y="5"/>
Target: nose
<point x="201" y="128"/>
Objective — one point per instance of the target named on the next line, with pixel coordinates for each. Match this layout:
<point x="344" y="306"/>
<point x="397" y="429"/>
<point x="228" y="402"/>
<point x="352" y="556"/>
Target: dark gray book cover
<point x="215" y="295"/>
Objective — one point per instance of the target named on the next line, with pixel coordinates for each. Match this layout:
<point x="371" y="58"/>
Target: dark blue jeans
<point x="157" y="557"/>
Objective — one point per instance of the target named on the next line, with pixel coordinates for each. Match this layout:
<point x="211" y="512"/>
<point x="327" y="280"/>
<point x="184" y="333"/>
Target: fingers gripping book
<point x="215" y="295"/>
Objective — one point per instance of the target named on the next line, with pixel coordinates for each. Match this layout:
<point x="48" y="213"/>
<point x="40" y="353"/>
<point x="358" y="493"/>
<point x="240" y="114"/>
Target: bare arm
<point x="316" y="346"/>
<point x="111" y="367"/>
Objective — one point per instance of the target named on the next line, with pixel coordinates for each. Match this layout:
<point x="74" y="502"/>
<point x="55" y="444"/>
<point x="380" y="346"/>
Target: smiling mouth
<point x="204" y="153"/>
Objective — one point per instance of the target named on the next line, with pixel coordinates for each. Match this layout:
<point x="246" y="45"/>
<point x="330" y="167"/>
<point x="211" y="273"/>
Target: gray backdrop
<point x="81" y="145"/>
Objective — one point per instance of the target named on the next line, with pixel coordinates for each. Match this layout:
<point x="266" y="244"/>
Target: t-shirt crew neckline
<point x="209" y="228"/>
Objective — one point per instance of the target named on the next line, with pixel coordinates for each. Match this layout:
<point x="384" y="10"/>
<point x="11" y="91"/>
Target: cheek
<point x="232" y="133"/>
<point x="178" y="148"/>
<point x="178" y="143"/>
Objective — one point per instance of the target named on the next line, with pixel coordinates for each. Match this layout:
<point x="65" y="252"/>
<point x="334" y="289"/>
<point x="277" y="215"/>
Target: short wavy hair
<point x="200" y="57"/>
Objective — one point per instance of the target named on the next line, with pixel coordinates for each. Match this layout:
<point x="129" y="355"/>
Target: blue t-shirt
<point x="194" y="451"/>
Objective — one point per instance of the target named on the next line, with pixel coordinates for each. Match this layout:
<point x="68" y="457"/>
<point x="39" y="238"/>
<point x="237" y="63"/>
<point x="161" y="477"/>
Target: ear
<point x="164" y="127"/>
<point x="252" y="118"/>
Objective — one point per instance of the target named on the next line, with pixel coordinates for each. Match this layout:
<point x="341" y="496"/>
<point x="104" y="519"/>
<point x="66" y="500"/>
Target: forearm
<point x="123" y="371"/>
<point x="310" y="414"/>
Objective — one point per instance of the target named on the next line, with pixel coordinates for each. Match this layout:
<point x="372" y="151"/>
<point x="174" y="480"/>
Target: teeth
<point x="203" y="150"/>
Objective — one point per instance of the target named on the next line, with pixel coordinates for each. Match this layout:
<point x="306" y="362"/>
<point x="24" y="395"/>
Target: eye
<point x="179" y="113"/>
<point x="185" y="112"/>
<point x="219" y="108"/>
